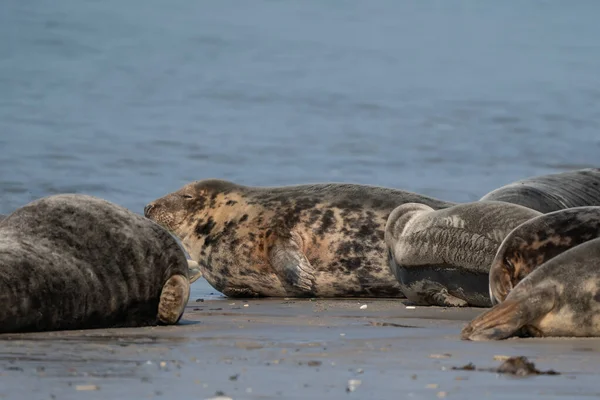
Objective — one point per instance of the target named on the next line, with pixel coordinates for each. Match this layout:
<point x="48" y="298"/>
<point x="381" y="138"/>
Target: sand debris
<point x="444" y="355"/>
<point x="519" y="366"/>
<point x="353" y="384"/>
<point x="86" y="387"/>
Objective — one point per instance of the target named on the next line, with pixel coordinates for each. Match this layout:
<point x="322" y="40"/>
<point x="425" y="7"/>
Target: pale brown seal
<point x="76" y="262"/>
<point x="442" y="257"/>
<point x="559" y="298"/>
<point x="538" y="240"/>
<point x="553" y="192"/>
<point x="321" y="240"/>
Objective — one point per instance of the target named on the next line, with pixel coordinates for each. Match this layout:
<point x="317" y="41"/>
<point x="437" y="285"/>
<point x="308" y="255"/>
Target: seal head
<point x="536" y="241"/>
<point x="559" y="298"/>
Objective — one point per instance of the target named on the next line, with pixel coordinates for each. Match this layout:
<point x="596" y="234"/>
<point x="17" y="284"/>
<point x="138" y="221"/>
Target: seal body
<point x="559" y="298"/>
<point x="322" y="240"/>
<point x="442" y="257"/>
<point x="77" y="262"/>
<point x="547" y="193"/>
<point x="536" y="241"/>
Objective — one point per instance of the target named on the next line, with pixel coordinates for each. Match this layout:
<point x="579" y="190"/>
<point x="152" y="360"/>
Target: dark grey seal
<point x="538" y="240"/>
<point x="559" y="298"/>
<point x="77" y="262"/>
<point x="442" y="257"/>
<point x="322" y="240"/>
<point x="547" y="193"/>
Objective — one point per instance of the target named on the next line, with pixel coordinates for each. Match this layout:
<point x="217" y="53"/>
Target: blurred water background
<point x="129" y="100"/>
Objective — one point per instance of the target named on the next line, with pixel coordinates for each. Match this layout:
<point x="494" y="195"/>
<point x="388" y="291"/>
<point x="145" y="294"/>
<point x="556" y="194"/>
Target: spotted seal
<point x="547" y="193"/>
<point x="323" y="240"/>
<point x="74" y="261"/>
<point x="559" y="298"/>
<point x="442" y="257"/>
<point x="538" y="240"/>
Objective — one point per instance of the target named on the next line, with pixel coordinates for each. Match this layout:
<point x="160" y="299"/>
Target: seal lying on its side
<point x="559" y="298"/>
<point x="321" y="240"/>
<point x="443" y="257"/>
<point x="78" y="262"/>
<point x="547" y="193"/>
<point x="537" y="241"/>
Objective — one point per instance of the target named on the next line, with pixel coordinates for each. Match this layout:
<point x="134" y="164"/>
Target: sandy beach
<point x="292" y="349"/>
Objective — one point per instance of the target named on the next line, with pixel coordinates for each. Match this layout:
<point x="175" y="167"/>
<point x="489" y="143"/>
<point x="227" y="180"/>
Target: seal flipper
<point x="435" y="294"/>
<point x="512" y="316"/>
<point x="291" y="266"/>
<point x="173" y="299"/>
<point x="194" y="271"/>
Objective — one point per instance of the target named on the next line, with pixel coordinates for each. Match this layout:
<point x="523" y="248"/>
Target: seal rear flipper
<point x="194" y="271"/>
<point x="292" y="267"/>
<point x="173" y="299"/>
<point x="511" y="317"/>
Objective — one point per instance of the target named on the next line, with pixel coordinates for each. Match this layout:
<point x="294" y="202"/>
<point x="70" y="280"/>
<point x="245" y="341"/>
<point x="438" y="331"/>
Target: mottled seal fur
<point x="442" y="257"/>
<point x="78" y="262"/>
<point x="322" y="240"/>
<point x="538" y="240"/>
<point x="547" y="193"/>
<point x="559" y="298"/>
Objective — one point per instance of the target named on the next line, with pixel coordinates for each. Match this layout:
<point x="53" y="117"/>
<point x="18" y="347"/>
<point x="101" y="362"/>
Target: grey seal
<point x="74" y="261"/>
<point x="313" y="240"/>
<point x="442" y="257"/>
<point x="538" y="240"/>
<point x="553" y="192"/>
<point x="559" y="298"/>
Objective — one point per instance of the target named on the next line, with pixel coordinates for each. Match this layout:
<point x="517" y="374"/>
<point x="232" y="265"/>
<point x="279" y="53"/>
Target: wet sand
<point x="292" y="349"/>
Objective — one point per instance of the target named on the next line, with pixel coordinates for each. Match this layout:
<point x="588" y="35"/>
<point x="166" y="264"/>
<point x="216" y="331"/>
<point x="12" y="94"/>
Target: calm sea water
<point x="129" y="100"/>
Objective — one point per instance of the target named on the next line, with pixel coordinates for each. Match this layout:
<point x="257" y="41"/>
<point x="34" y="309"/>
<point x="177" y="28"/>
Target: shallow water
<point x="130" y="100"/>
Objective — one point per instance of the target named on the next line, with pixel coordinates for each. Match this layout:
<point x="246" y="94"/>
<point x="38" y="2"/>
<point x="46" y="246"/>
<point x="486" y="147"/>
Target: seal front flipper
<point x="435" y="294"/>
<point x="194" y="271"/>
<point x="511" y="316"/>
<point x="291" y="265"/>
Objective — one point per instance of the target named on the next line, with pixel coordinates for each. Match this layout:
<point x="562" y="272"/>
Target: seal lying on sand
<point x="321" y="240"/>
<point x="77" y="262"/>
<point x="538" y="240"/>
<point x="443" y="257"/>
<point x="559" y="298"/>
<point x="547" y="193"/>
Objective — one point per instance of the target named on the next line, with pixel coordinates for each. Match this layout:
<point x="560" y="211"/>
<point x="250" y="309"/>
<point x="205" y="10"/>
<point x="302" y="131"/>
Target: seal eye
<point x="187" y="196"/>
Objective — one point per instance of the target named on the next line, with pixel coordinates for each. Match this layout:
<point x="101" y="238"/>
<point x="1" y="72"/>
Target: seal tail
<point x="509" y="317"/>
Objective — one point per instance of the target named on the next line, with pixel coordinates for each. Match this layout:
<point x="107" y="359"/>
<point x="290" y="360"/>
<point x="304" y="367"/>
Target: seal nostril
<point x="147" y="209"/>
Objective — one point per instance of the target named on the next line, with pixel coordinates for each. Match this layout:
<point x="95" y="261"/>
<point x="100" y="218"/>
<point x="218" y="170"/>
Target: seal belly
<point x="421" y="283"/>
